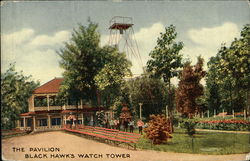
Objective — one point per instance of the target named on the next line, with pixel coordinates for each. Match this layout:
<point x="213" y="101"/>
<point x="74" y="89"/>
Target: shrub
<point x="238" y="125"/>
<point x="159" y="129"/>
<point x="189" y="125"/>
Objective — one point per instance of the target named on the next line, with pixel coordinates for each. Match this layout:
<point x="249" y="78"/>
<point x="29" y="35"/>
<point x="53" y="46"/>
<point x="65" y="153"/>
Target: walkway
<point x="62" y="146"/>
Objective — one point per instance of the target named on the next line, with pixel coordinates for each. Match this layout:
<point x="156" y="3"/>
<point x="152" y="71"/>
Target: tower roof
<point x="120" y="23"/>
<point x="49" y="87"/>
<point x="119" y="26"/>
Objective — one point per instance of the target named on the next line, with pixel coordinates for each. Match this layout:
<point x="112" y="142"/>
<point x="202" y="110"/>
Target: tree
<point x="123" y="97"/>
<point x="229" y="74"/>
<point x="189" y="125"/>
<point x="236" y="65"/>
<point x="151" y="92"/>
<point x="214" y="98"/>
<point x="100" y="118"/>
<point x="189" y="88"/>
<point x="90" y="70"/>
<point x="110" y="79"/>
<point x="15" y="91"/>
<point x="159" y="129"/>
<point x="166" y="58"/>
<point x="81" y="61"/>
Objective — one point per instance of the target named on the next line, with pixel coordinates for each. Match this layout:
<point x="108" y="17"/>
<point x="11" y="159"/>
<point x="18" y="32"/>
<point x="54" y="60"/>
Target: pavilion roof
<point x="49" y="87"/>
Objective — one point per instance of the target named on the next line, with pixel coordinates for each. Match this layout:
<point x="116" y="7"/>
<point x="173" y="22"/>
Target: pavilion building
<point x="45" y="113"/>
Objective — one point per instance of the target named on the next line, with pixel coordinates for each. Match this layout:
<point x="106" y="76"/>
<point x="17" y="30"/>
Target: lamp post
<point x="167" y="111"/>
<point x="140" y="104"/>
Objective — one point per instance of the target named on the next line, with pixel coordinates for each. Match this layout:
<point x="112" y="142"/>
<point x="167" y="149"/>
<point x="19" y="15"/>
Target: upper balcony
<point x="47" y="102"/>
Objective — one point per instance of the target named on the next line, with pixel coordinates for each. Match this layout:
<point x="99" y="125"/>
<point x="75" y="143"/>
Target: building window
<point x="42" y="122"/>
<point x="40" y="102"/>
<point x="54" y="101"/>
<point x="21" y="123"/>
<point x="79" y="121"/>
<point x="55" y="121"/>
<point x="29" y="122"/>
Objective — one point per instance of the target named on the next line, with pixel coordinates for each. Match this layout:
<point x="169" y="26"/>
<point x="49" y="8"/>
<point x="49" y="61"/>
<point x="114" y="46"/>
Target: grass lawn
<point x="204" y="143"/>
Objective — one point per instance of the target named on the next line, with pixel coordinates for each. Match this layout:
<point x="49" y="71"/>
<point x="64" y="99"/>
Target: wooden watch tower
<point x="122" y="36"/>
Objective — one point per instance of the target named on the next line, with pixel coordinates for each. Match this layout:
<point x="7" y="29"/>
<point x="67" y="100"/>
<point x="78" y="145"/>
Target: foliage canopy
<point x="228" y="78"/>
<point x="189" y="88"/>
<point x="90" y="69"/>
<point x="15" y="91"/>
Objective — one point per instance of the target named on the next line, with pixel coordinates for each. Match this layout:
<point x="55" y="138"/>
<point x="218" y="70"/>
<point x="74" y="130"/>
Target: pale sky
<point x="32" y="31"/>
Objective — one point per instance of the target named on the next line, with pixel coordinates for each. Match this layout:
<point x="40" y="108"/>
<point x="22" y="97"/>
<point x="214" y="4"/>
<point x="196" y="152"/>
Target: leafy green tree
<point x="81" y="60"/>
<point x="166" y="58"/>
<point x="229" y="75"/>
<point x="15" y="91"/>
<point x="189" y="125"/>
<point x="189" y="88"/>
<point x="151" y="92"/>
<point x="110" y="79"/>
<point x="213" y="87"/>
<point x="123" y="97"/>
<point x="91" y="71"/>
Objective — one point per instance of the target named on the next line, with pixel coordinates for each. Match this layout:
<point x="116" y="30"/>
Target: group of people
<point x="112" y="124"/>
<point x="116" y="124"/>
<point x="126" y="124"/>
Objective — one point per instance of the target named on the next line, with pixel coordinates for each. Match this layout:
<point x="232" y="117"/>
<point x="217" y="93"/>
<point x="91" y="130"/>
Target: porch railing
<point x="43" y="128"/>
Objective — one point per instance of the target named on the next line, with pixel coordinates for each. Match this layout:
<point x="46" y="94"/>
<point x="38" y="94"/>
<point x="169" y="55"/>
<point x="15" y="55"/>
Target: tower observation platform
<point x="122" y="36"/>
<point x="120" y="23"/>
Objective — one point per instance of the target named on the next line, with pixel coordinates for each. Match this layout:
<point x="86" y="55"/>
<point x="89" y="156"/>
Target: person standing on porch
<point x="70" y="118"/>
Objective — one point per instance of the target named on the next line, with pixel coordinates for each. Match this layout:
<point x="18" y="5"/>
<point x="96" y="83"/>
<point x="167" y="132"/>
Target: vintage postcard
<point x="118" y="80"/>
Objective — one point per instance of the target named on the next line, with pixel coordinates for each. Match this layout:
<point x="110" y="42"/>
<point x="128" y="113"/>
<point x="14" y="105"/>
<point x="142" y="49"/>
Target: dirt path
<point x="224" y="131"/>
<point x="74" y="145"/>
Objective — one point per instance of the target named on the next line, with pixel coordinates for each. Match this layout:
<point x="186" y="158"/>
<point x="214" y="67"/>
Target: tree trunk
<point x="98" y="98"/>
<point x="247" y="103"/>
<point x="169" y="104"/>
<point x="169" y="99"/>
<point x="77" y="112"/>
<point x="192" y="143"/>
<point x="231" y="97"/>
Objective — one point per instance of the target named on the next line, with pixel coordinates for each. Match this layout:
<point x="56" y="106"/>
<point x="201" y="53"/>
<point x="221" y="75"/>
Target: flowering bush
<point x="239" y="125"/>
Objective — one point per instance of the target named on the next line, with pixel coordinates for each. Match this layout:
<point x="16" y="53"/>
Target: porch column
<point x="34" y="122"/>
<point x="82" y="119"/>
<point x="18" y="123"/>
<point x="62" y="121"/>
<point x="92" y="120"/>
<point x="24" y="122"/>
<point x="33" y="102"/>
<point x="48" y="101"/>
<point x="81" y="104"/>
<point x="49" y="121"/>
